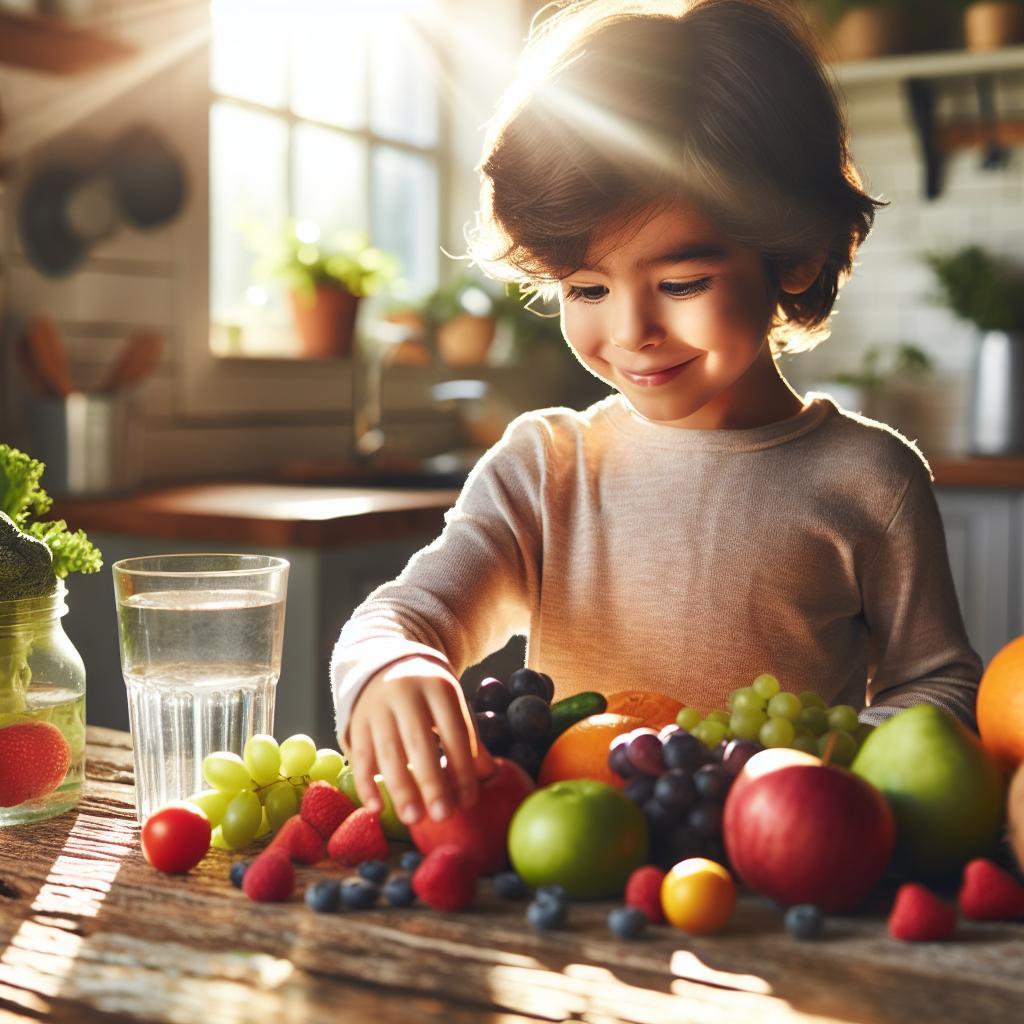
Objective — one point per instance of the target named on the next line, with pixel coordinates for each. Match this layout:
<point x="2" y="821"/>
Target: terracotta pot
<point x="465" y="340"/>
<point x="325" y="321"/>
<point x="988" y="26"/>
<point x="866" y="32"/>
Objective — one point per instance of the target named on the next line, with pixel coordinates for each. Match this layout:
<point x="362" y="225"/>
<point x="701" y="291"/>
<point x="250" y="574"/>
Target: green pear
<point x="947" y="793"/>
<point x="389" y="820"/>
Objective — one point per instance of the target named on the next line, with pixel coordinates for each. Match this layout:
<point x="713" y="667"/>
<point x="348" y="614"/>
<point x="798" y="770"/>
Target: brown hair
<point x="622" y="106"/>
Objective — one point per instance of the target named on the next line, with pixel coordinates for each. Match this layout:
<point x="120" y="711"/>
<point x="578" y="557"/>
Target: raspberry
<point x="36" y="757"/>
<point x="643" y="891"/>
<point x="446" y="880"/>
<point x="270" y="878"/>
<point x="359" y="837"/>
<point x="325" y="808"/>
<point x="918" y="915"/>
<point x="988" y="893"/>
<point x="299" y="841"/>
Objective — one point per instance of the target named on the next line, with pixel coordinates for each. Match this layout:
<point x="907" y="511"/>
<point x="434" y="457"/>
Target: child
<point x="683" y="181"/>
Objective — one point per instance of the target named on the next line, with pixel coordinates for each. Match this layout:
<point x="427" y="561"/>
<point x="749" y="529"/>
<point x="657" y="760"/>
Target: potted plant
<point x="990" y="24"/>
<point x="988" y="291"/>
<point x="862" y="29"/>
<point x="461" y="315"/>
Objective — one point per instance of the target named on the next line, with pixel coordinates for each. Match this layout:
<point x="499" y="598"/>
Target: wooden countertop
<point x="89" y="932"/>
<point x="965" y="471"/>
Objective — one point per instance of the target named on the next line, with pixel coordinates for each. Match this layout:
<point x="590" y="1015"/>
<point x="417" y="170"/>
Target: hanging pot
<point x="325" y="321"/>
<point x="996" y="416"/>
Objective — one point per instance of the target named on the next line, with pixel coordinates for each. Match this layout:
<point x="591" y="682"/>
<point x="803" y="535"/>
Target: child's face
<point x="675" y="318"/>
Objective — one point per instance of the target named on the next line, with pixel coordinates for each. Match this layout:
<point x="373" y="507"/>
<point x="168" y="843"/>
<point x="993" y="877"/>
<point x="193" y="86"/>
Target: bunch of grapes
<point x="764" y="713"/>
<point x="681" y="786"/>
<point x="514" y="718"/>
<point x="255" y="794"/>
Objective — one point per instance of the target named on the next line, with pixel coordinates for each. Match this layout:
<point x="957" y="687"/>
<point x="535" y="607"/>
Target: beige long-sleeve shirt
<point x="635" y="555"/>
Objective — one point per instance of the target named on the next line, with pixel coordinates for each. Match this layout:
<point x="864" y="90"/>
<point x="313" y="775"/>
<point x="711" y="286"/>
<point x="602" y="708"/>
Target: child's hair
<point x="623" y="106"/>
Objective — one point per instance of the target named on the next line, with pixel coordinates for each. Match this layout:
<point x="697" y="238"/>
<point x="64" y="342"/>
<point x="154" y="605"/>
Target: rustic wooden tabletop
<point x="89" y="932"/>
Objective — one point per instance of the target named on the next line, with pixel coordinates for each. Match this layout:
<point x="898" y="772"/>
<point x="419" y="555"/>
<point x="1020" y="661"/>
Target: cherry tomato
<point x="698" y="895"/>
<point x="175" y="838"/>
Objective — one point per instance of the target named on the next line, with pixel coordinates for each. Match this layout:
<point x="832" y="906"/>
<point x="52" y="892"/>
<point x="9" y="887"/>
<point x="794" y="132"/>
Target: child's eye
<point x="588" y="293"/>
<point x="684" y="289"/>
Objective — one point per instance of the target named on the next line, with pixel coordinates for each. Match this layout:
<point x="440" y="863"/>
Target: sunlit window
<point x="323" y="111"/>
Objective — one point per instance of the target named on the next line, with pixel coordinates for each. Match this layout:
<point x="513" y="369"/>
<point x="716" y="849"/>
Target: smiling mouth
<point x="655" y="377"/>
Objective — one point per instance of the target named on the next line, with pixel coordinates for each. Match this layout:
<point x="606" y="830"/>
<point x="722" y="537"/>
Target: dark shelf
<point x="54" y="46"/>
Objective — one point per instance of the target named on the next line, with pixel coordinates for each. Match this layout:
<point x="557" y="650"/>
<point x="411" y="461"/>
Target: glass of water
<point x="201" y="639"/>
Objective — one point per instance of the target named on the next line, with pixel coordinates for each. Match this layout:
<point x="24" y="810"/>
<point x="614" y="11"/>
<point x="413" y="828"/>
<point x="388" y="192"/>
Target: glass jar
<point x="42" y="710"/>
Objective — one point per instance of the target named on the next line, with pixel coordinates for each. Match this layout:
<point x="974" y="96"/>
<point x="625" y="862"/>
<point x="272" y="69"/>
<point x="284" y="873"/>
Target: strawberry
<point x="359" y="837"/>
<point x="643" y="891"/>
<point x="35" y="757"/>
<point x="270" y="878"/>
<point x="988" y="893"/>
<point x="446" y="879"/>
<point x="325" y="808"/>
<point x="299" y="841"/>
<point x="918" y="915"/>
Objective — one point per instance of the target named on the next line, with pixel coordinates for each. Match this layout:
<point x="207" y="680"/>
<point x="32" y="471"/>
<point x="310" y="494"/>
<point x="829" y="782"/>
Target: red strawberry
<point x="325" y="807"/>
<point x="446" y="879"/>
<point x="643" y="891"/>
<point x="299" y="841"/>
<point x="270" y="878"/>
<point x="35" y="757"/>
<point x="988" y="893"/>
<point x="359" y="837"/>
<point x="918" y="915"/>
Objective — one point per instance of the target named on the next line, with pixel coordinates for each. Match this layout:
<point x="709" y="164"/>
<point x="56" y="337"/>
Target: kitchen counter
<point x="89" y="932"/>
<point x="966" y="471"/>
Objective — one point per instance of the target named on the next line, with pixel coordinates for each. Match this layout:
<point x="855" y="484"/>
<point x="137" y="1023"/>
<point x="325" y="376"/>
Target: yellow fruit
<point x="698" y="895"/>
<point x="1000" y="705"/>
<point x="1015" y="814"/>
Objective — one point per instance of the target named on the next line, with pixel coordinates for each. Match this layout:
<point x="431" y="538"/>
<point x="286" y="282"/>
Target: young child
<point x="683" y="181"/>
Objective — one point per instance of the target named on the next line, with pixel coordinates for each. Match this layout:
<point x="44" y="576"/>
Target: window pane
<point x="248" y="186"/>
<point x="330" y="179"/>
<point x="329" y="67"/>
<point x="403" y="84"/>
<point x="405" y="212"/>
<point x="247" y="58"/>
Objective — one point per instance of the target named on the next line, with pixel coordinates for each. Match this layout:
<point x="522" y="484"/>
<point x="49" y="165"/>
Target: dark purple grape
<point x="549" y="696"/>
<point x="640" y="789"/>
<point x="712" y="782"/>
<point x="705" y="818"/>
<point x="682" y="842"/>
<point x="619" y="762"/>
<point x="491" y="695"/>
<point x="737" y="754"/>
<point x="526" y="755"/>
<point x="529" y="718"/>
<point x="668" y="730"/>
<point x="714" y="849"/>
<point x="493" y="730"/>
<point x="675" y="790"/>
<point x="718" y="752"/>
<point x="683" y="750"/>
<point x="659" y="818"/>
<point x="524" y="682"/>
<point x="644" y="752"/>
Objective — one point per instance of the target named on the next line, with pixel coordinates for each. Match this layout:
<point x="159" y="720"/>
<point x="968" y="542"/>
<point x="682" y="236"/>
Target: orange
<point x="653" y="709"/>
<point x="1000" y="708"/>
<point x="581" y="752"/>
<point x="698" y="895"/>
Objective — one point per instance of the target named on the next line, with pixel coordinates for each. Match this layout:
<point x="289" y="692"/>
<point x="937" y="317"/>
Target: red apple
<point x="799" y="831"/>
<point x="480" y="831"/>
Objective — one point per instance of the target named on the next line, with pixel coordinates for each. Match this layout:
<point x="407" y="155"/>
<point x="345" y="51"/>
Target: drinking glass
<point x="201" y="638"/>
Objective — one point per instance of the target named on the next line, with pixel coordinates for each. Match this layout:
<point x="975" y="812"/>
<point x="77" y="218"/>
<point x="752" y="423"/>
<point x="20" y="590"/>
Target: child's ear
<point x="798" y="277"/>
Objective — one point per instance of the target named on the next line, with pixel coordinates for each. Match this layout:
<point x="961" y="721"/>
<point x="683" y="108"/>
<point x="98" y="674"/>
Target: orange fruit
<point x="1000" y="708"/>
<point x="581" y="752"/>
<point x="698" y="895"/>
<point x="653" y="709"/>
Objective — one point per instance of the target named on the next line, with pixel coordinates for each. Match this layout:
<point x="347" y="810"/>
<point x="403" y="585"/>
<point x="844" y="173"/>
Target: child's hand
<point x="396" y="723"/>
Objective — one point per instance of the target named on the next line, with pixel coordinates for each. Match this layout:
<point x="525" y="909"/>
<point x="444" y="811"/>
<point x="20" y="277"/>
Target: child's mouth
<point x="650" y="380"/>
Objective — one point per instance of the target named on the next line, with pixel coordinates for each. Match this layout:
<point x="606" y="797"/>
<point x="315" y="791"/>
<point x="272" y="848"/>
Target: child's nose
<point x="634" y="326"/>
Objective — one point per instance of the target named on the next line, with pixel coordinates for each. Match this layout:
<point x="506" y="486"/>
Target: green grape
<point x="810" y="699"/>
<point x="241" y="820"/>
<point x="226" y="771"/>
<point x="347" y="784"/>
<point x="213" y="803"/>
<point x="863" y="731"/>
<point x="264" y="828"/>
<point x="298" y="753"/>
<point x="282" y="802"/>
<point x="845" y="748"/>
<point x="785" y="705"/>
<point x="327" y="766"/>
<point x="217" y="840"/>
<point x="718" y="716"/>
<point x="843" y="717"/>
<point x="777" y="732"/>
<point x="710" y="732"/>
<point x="746" y="724"/>
<point x="262" y="756"/>
<point x="815" y="719"/>
<point x="748" y="699"/>
<point x="806" y="742"/>
<point x="688" y="718"/>
<point x="766" y="685"/>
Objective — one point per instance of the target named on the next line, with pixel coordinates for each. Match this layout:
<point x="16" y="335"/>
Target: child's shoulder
<point x="556" y="424"/>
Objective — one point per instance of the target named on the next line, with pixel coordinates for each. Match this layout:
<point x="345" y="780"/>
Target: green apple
<point x="946" y="792"/>
<point x="581" y="834"/>
<point x="389" y="821"/>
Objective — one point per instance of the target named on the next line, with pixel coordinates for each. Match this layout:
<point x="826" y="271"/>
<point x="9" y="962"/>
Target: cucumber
<point x="571" y="710"/>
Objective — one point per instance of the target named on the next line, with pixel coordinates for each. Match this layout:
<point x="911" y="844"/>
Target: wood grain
<point x="89" y="932"/>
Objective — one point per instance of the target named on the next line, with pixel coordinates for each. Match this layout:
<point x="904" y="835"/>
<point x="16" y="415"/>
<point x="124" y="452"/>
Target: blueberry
<point x="551" y="894"/>
<point x="373" y="871"/>
<point x="509" y="886"/>
<point x="358" y="894"/>
<point x="524" y="682"/>
<point x="627" y="922"/>
<point x="529" y="718"/>
<point x="410" y="860"/>
<point x="527" y="756"/>
<point x="322" y="897"/>
<point x="398" y="891"/>
<point x="238" y="872"/>
<point x="491" y="695"/>
<point x="546" y="914"/>
<point x="492" y="727"/>
<point x="804" y="921"/>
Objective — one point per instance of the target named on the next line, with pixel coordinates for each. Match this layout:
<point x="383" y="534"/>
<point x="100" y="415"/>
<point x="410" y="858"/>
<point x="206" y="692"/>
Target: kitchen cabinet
<point x="55" y="46"/>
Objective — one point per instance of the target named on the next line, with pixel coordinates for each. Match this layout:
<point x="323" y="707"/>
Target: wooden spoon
<point x="137" y="359"/>
<point x="46" y="352"/>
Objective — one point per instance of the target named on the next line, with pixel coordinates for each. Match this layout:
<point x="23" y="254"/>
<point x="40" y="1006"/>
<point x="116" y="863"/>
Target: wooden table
<point x="89" y="932"/>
